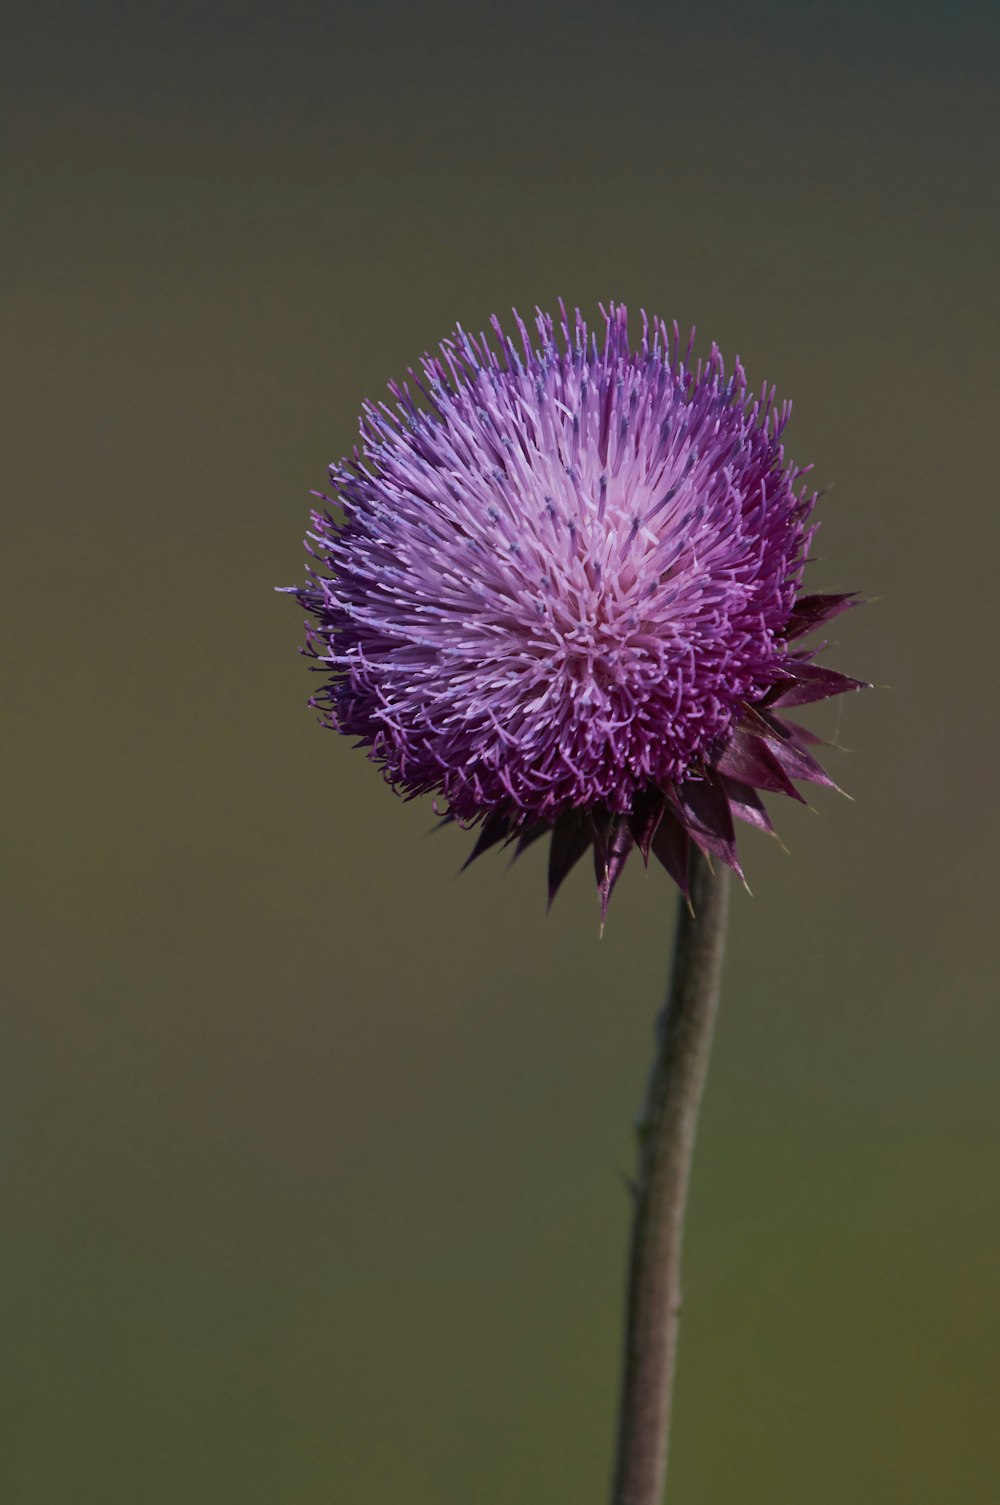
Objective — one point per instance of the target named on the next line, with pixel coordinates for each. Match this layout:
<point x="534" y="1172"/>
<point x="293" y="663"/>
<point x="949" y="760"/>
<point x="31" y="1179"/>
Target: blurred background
<point x="313" y="1155"/>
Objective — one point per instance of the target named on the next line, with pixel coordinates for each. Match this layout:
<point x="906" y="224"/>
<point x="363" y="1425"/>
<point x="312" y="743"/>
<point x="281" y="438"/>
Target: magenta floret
<point x="563" y="592"/>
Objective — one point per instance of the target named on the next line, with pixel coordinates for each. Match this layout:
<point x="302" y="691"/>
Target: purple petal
<point x="546" y="577"/>
<point x="547" y="586"/>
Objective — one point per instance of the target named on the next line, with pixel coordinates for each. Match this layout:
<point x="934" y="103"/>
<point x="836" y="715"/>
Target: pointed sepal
<point x="802" y="683"/>
<point x="747" y="805"/>
<point x="810" y="612"/>
<point x="705" y="812"/>
<point x="646" y="814"/>
<point x="794" y="760"/>
<point x="494" y="829"/>
<point x="749" y="759"/>
<point x="671" y="845"/>
<point x="572" y="834"/>
<point x="613" y="841"/>
<point x="528" y="835"/>
<point x="800" y="735"/>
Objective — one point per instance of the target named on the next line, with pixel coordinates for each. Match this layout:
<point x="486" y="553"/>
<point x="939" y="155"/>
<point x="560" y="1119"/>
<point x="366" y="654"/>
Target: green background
<point x="313" y="1155"/>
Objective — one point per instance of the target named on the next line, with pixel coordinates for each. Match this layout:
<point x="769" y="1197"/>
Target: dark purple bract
<point x="564" y="593"/>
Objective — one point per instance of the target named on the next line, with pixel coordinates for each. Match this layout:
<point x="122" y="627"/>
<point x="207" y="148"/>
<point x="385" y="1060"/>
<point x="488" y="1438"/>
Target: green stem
<point x="666" y="1142"/>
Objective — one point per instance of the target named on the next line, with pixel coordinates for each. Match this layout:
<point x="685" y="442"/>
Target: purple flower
<point x="564" y="595"/>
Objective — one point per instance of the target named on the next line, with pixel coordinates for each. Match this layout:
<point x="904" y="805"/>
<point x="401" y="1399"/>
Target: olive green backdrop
<point x="313" y="1155"/>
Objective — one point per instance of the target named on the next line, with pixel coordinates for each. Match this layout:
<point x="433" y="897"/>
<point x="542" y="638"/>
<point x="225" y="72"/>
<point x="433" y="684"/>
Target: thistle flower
<point x="564" y="595"/>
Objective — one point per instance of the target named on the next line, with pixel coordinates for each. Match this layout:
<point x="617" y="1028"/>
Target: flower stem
<point x="666" y="1140"/>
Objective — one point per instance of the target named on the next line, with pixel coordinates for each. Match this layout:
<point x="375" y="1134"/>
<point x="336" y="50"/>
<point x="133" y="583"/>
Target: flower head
<point x="564" y="594"/>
